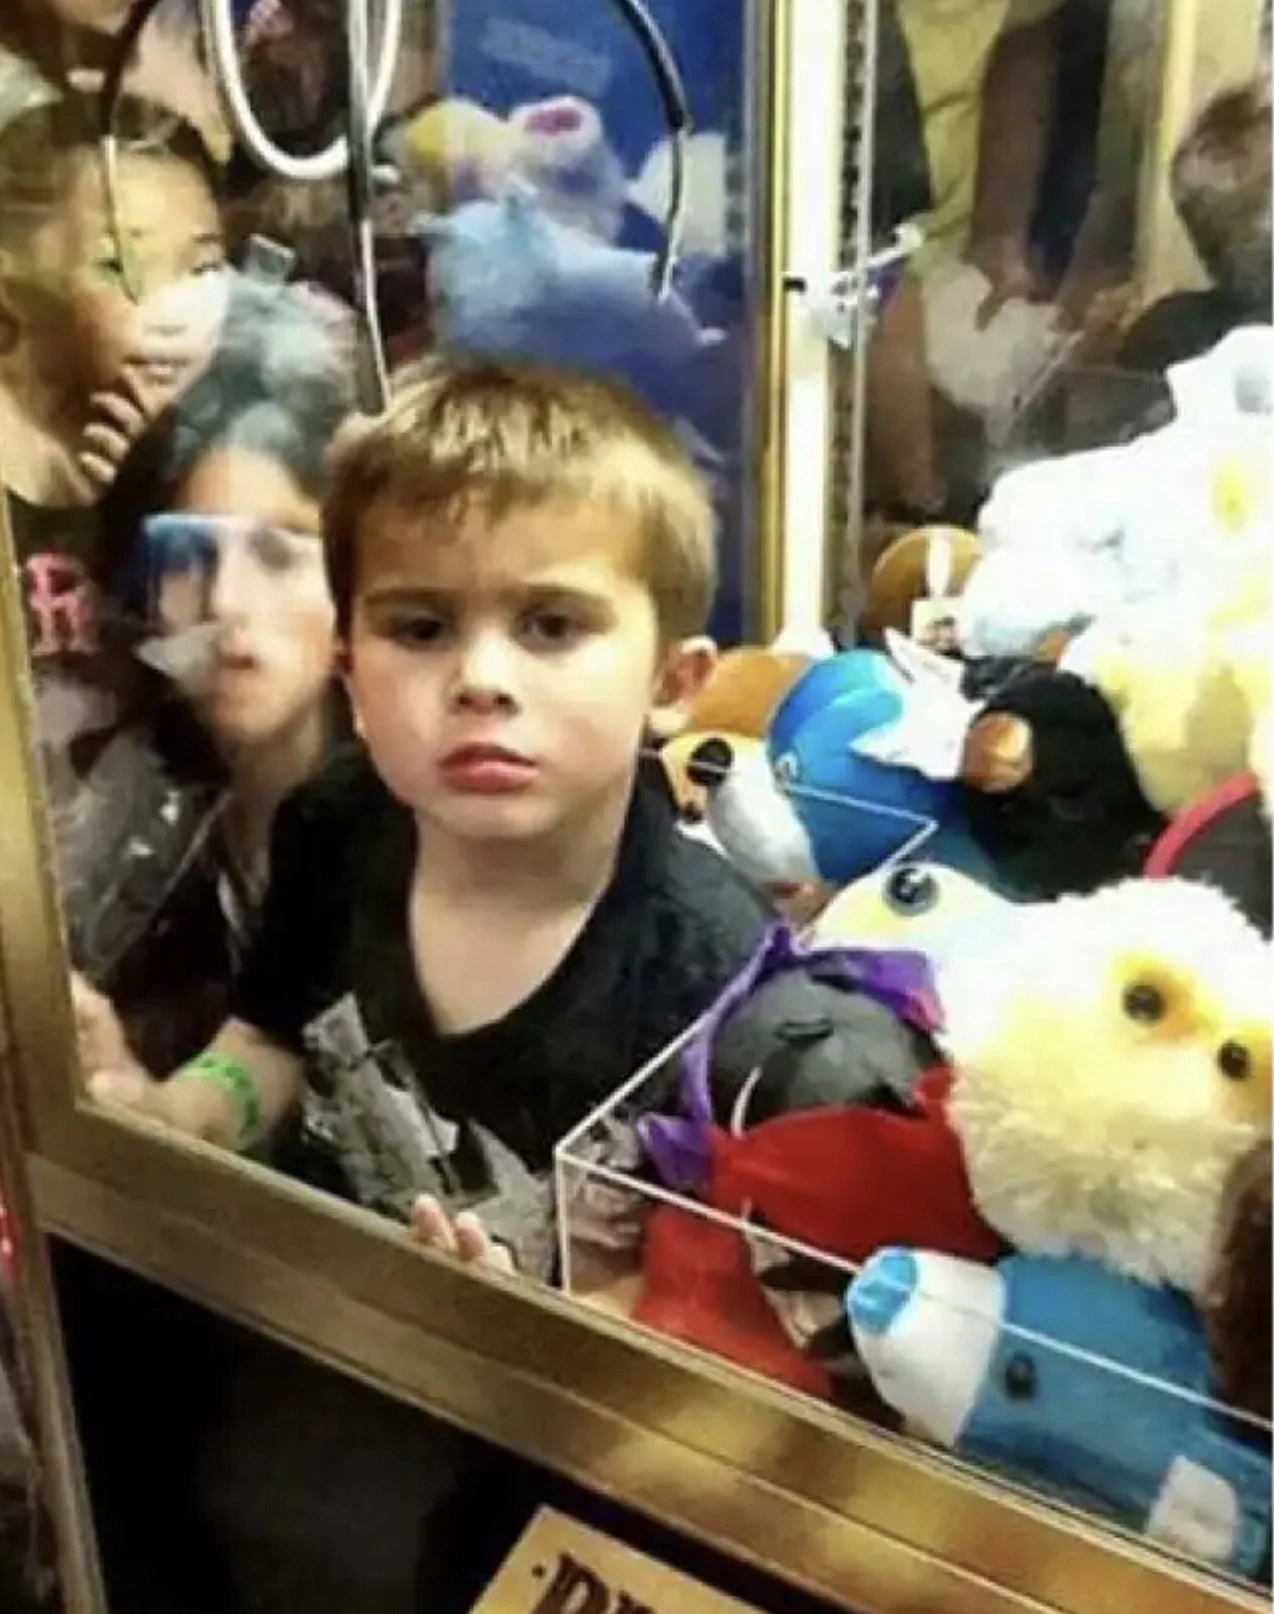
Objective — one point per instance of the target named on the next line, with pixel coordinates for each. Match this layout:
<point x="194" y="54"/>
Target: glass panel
<point x="1098" y="177"/>
<point x="480" y="914"/>
<point x="571" y="104"/>
<point x="190" y="321"/>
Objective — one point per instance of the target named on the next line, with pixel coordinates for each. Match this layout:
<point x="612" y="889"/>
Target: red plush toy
<point x="842" y="1180"/>
<point x="700" y="1288"/>
<point x="1223" y="841"/>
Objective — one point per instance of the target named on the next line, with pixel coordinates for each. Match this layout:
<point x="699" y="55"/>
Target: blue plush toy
<point x="508" y="281"/>
<point x="1018" y="1366"/>
<point x="859" y="765"/>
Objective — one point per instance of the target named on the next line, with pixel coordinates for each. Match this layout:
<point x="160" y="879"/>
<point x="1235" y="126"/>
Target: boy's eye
<point x="551" y="627"/>
<point x="416" y="631"/>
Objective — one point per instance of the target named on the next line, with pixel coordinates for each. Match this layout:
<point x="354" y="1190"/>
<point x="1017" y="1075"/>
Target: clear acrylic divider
<point x="1056" y="1377"/>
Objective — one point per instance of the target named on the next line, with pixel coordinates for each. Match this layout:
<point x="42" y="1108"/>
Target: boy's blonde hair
<point x="508" y="436"/>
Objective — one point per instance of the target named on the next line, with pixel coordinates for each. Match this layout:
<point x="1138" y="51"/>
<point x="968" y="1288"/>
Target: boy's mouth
<point x="487" y="770"/>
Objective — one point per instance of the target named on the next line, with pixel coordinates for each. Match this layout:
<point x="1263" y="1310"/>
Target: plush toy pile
<point x="1092" y="663"/>
<point x="986" y="1146"/>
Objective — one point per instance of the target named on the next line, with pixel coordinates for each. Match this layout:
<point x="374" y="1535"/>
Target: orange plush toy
<point x="916" y="579"/>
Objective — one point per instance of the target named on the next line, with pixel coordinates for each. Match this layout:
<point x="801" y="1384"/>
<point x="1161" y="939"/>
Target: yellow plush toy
<point x="1112" y="1058"/>
<point x="1187" y="676"/>
<point x="455" y="149"/>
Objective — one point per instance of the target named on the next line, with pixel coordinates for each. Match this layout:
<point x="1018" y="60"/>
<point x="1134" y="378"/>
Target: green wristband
<point x="232" y="1077"/>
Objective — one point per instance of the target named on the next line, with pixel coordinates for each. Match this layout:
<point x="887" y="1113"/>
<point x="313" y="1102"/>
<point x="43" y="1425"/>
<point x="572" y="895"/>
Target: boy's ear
<point x="343" y="672"/>
<point x="686" y="668"/>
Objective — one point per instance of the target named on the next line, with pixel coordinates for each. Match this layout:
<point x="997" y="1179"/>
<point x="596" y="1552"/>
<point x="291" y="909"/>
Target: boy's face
<point x="64" y="287"/>
<point x="503" y="677"/>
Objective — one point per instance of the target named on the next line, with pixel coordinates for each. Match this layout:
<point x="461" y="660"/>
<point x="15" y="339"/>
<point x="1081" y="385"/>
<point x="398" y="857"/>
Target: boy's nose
<point x="484" y="674"/>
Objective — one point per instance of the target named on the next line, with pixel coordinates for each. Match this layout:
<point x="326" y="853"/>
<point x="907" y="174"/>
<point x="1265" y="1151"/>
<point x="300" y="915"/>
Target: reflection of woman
<point x="984" y="72"/>
<point x="221" y="498"/>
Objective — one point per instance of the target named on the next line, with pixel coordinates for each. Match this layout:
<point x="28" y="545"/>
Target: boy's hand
<point x="99" y="1037"/>
<point x="462" y="1236"/>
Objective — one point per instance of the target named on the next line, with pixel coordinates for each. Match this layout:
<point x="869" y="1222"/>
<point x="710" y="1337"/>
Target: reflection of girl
<point x="228" y="574"/>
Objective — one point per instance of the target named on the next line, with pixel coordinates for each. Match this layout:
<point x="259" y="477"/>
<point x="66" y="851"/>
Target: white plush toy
<point x="1112" y="1060"/>
<point x="1068" y="540"/>
<point x="1187" y="674"/>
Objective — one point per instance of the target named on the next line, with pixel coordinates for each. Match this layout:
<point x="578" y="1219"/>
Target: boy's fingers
<point x="475" y="1244"/>
<point x="465" y="1237"/>
<point x="472" y="1243"/>
<point x="431" y="1225"/>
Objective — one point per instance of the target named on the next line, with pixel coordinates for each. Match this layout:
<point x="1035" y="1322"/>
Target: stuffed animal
<point x="1052" y="795"/>
<point x="1064" y="1373"/>
<point x="1070" y="540"/>
<point x="1223" y="841"/>
<point x="913" y="907"/>
<point x="456" y="151"/>
<point x="784" y="1040"/>
<point x="1084" y="1086"/>
<point x="1071" y="771"/>
<point x="507" y="280"/>
<point x="1237" y="1307"/>
<point x="915" y="582"/>
<point x="1042" y="778"/>
<point x="1112" y="1063"/>
<point x="849" y="777"/>
<point x="1187" y="677"/>
<point x="855" y="1147"/>
<point x="452" y="152"/>
<point x="736" y="704"/>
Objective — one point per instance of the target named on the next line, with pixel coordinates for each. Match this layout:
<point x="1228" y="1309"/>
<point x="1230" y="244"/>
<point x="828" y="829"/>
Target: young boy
<point x="481" y="923"/>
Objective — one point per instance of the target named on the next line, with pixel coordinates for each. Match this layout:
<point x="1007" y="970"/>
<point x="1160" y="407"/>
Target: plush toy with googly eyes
<point x="1112" y="1064"/>
<point x="923" y="907"/>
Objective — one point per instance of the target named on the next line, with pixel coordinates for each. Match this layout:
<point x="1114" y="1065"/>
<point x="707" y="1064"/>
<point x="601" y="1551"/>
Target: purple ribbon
<point x="680" y="1146"/>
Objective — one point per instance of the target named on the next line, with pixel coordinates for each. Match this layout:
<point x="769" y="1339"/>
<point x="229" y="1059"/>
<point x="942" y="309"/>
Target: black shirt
<point x="331" y="976"/>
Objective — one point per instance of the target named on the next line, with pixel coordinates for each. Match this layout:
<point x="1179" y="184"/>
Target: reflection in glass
<point x="1045" y="308"/>
<point x="221" y="606"/>
<point x="520" y="565"/>
<point x="559" y="156"/>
